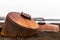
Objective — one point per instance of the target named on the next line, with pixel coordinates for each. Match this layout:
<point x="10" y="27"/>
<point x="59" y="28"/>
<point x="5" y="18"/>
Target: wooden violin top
<point x="18" y="19"/>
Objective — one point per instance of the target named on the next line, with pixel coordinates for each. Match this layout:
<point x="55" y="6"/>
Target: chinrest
<point x="25" y="15"/>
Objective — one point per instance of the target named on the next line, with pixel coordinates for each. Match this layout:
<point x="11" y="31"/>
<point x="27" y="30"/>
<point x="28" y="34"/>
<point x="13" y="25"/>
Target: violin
<point x="19" y="24"/>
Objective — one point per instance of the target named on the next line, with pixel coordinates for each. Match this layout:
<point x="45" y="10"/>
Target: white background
<point x="36" y="8"/>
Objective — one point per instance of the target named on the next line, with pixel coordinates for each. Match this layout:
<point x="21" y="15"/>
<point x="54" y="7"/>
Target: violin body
<point x="18" y="24"/>
<point x="48" y="28"/>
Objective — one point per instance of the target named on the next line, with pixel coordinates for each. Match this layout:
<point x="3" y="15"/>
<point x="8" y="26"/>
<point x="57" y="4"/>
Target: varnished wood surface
<point x="40" y="36"/>
<point x="18" y="19"/>
<point x="16" y="25"/>
<point x="49" y="27"/>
